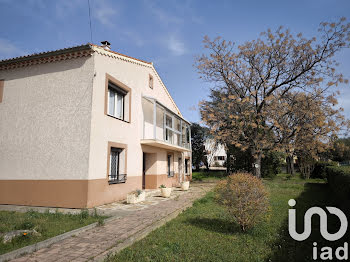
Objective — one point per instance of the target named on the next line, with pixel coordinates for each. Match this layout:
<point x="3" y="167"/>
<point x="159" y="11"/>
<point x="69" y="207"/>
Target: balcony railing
<point x="162" y="124"/>
<point x="117" y="179"/>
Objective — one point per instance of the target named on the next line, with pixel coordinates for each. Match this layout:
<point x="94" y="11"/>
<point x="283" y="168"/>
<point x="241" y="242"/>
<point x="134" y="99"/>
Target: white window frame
<point x="117" y="92"/>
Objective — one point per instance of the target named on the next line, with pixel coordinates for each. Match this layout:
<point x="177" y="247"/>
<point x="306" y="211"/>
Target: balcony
<point x="163" y="128"/>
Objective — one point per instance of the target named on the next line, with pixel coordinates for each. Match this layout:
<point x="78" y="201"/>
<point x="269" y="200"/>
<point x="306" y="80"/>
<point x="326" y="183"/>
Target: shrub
<point x="319" y="170"/>
<point x="245" y="198"/>
<point x="84" y="213"/>
<point x="339" y="181"/>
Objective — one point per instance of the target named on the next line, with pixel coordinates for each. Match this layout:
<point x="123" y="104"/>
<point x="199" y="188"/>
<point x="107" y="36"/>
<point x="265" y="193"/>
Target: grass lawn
<point x="204" y="232"/>
<point x="204" y="175"/>
<point x="48" y="225"/>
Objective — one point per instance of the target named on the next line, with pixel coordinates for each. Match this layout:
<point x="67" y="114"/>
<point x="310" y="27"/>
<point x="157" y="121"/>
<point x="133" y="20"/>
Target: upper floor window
<point x="150" y="81"/>
<point x="116" y="101"/>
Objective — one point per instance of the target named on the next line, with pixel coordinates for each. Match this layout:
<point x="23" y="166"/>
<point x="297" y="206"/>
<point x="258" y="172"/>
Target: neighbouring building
<point x="84" y="126"/>
<point x="216" y="154"/>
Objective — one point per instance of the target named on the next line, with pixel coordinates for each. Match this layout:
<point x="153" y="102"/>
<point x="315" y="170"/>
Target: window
<point x="221" y="158"/>
<point x="116" y="101"/>
<point x="168" y="129"/>
<point x="170" y="173"/>
<point x="186" y="137"/>
<point x="186" y="166"/>
<point x="150" y="81"/>
<point x="117" y="165"/>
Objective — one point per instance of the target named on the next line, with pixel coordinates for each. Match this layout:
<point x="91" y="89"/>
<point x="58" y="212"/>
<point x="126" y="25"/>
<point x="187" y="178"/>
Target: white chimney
<point x="106" y="45"/>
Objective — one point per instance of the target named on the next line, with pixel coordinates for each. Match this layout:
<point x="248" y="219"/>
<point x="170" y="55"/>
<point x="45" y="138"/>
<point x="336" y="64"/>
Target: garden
<point x="206" y="232"/>
<point x="32" y="227"/>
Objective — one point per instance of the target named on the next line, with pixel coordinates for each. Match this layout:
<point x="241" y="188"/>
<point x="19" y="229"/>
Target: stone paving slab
<point x="96" y="243"/>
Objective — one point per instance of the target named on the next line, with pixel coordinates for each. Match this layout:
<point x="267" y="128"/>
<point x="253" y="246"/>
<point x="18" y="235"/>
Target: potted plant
<point x="185" y="185"/>
<point x="136" y="196"/>
<point x="166" y="191"/>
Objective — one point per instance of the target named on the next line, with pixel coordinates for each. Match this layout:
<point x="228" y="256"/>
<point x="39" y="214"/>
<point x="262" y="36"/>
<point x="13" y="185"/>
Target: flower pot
<point x="185" y="185"/>
<point x="133" y="198"/>
<point x="166" y="191"/>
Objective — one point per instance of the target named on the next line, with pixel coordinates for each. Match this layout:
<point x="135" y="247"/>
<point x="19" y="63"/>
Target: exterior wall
<point x="45" y="132"/>
<point x="106" y="129"/>
<point x="157" y="165"/>
<point x="55" y="133"/>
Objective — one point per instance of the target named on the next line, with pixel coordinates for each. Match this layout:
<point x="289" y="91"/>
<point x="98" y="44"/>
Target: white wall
<point x="45" y="121"/>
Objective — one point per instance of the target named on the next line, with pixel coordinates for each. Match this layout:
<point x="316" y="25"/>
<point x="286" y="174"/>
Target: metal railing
<point x="117" y="179"/>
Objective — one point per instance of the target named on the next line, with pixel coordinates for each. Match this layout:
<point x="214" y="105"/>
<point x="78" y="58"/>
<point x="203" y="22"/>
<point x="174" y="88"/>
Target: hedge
<point x="319" y="170"/>
<point x="339" y="181"/>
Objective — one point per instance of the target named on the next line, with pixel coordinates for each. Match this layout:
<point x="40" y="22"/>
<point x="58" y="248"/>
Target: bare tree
<point x="252" y="78"/>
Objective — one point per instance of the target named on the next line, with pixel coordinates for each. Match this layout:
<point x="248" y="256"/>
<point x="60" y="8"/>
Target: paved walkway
<point x="95" y="243"/>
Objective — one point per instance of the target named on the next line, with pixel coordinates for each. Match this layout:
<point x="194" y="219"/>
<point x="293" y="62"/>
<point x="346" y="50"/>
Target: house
<point x="216" y="154"/>
<point x="84" y="126"/>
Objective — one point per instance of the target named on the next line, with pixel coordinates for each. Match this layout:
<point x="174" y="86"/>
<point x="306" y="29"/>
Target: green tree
<point x="199" y="134"/>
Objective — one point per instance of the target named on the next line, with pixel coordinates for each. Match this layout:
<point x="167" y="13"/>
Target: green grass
<point x="205" y="233"/>
<point x="48" y="225"/>
<point x="208" y="175"/>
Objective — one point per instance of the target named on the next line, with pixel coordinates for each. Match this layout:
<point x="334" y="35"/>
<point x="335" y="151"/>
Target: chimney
<point x="106" y="45"/>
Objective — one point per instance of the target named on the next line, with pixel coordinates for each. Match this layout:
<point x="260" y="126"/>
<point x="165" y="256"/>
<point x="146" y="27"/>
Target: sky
<point x="168" y="33"/>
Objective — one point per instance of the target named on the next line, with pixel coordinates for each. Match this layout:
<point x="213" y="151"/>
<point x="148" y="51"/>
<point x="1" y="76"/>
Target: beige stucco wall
<point x="54" y="133"/>
<point x="105" y="128"/>
<point x="45" y="121"/>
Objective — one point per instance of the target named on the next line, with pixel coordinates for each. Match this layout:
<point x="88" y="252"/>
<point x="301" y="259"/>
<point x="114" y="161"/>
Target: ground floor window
<point x="186" y="166"/>
<point x="220" y="158"/>
<point x="169" y="167"/>
<point x="116" y="163"/>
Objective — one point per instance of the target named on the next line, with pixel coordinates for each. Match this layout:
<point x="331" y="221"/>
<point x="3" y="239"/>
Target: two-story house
<point x="84" y="126"/>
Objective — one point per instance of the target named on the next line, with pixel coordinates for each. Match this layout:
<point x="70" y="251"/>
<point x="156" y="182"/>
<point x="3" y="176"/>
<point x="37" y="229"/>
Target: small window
<point x="170" y="172"/>
<point x="150" y="81"/>
<point x="186" y="166"/>
<point x="221" y="158"/>
<point x="116" y="102"/>
<point x="116" y="174"/>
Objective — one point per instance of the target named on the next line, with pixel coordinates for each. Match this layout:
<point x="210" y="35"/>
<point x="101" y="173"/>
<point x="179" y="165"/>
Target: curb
<point x="48" y="242"/>
<point x="140" y="234"/>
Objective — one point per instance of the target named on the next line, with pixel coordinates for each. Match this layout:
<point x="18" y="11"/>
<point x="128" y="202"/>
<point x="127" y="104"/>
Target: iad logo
<point x="327" y="252"/>
<point x="323" y="222"/>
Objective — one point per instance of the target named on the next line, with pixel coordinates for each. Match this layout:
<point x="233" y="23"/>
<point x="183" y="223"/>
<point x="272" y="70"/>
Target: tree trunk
<point x="197" y="167"/>
<point x="290" y="165"/>
<point x="256" y="165"/>
<point x="228" y="162"/>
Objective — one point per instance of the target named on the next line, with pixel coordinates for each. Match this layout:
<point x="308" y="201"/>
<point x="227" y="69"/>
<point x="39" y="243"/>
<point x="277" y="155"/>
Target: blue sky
<point x="169" y="33"/>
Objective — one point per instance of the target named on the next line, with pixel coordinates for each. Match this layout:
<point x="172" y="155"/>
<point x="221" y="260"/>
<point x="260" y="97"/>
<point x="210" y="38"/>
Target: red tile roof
<point x="56" y="55"/>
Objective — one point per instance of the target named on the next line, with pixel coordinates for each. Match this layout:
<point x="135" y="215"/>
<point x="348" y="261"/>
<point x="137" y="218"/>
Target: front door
<point x="144" y="171"/>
